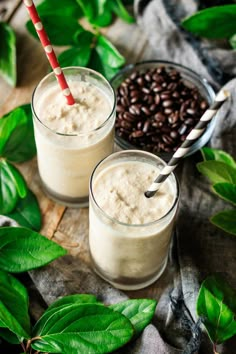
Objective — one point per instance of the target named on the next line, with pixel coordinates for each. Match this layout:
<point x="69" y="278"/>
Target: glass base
<point x="136" y="285"/>
<point x="77" y="202"/>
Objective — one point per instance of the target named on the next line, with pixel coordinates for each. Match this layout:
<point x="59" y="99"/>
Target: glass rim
<point x="138" y="152"/>
<point x="113" y="108"/>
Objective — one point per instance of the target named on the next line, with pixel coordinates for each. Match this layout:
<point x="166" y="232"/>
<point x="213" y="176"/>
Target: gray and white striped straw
<point x="190" y="140"/>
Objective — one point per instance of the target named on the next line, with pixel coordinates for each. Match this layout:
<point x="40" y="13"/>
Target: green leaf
<point x="213" y="22"/>
<point x="64" y="8"/>
<point x="96" y="63"/>
<point x="9" y="336"/>
<point x="72" y="299"/>
<point x="78" y="55"/>
<point x="232" y="41"/>
<point x="8" y="54"/>
<point x="217" y="171"/>
<point x="12" y="187"/>
<point x="218" y="155"/>
<point x="17" y="142"/>
<point x="225" y="190"/>
<point x="83" y="328"/>
<point x="14" y="306"/>
<point x="89" y="9"/>
<point x="140" y="312"/>
<point x="22" y="249"/>
<point x="108" y="53"/>
<point x="60" y="29"/>
<point x="225" y="220"/>
<point x="27" y="212"/>
<point x="216" y="304"/>
<point x="120" y="11"/>
<point x="64" y="302"/>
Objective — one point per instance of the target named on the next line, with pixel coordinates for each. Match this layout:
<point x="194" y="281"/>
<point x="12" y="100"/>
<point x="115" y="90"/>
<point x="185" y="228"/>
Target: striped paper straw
<point x="49" y="51"/>
<point x="190" y="140"/>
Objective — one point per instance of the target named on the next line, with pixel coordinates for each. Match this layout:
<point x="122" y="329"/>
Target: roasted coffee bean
<point x="156" y="109"/>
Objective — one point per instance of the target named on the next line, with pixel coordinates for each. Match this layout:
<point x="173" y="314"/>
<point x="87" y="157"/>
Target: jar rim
<point x="143" y="153"/>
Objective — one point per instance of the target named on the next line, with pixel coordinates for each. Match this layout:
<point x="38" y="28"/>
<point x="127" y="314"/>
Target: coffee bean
<point x="156" y="109"/>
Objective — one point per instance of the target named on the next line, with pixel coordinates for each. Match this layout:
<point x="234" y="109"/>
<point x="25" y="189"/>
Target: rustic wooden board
<point x="67" y="226"/>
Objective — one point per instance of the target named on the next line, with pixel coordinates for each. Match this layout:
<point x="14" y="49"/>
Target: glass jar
<point x="129" y="256"/>
<point x="66" y="161"/>
<point x="190" y="78"/>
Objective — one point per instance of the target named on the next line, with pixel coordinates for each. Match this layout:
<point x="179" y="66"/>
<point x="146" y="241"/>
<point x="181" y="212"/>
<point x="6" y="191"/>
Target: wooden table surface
<point x="67" y="226"/>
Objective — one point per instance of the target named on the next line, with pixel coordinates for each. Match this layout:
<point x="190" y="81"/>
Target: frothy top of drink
<point x="90" y="111"/>
<point x="119" y="192"/>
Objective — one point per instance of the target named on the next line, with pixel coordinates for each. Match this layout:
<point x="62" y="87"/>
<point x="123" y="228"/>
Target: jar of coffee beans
<point x="158" y="103"/>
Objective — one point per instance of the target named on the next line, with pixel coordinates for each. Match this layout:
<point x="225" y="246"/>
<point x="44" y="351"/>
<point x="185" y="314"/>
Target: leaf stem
<point x="214" y="349"/>
<point x="23" y="346"/>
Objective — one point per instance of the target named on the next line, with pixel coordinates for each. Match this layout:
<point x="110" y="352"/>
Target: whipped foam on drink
<point x="90" y="110"/>
<point x="119" y="191"/>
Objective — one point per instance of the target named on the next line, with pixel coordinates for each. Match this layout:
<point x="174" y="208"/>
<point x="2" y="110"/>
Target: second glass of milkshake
<point x="71" y="140"/>
<point x="129" y="234"/>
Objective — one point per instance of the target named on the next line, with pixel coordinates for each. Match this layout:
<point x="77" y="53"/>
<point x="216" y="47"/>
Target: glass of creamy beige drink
<point x="71" y="140"/>
<point x="129" y="234"/>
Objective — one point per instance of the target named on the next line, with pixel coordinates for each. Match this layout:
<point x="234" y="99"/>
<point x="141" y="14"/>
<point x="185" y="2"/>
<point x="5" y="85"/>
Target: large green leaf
<point x="22" y="249"/>
<point x="27" y="212"/>
<point x="217" y="171"/>
<point x="17" y="142"/>
<point x="108" y="53"/>
<point x="213" y="22"/>
<point x="14" y="306"/>
<point x="60" y="29"/>
<point x="12" y="187"/>
<point x="225" y="190"/>
<point x="79" y="54"/>
<point x="64" y="8"/>
<point x="97" y="64"/>
<point x="216" y="304"/>
<point x="218" y="155"/>
<point x="225" y="220"/>
<point x="62" y="303"/>
<point x="83" y="328"/>
<point x="120" y="10"/>
<point x="140" y="312"/>
<point x="7" y="54"/>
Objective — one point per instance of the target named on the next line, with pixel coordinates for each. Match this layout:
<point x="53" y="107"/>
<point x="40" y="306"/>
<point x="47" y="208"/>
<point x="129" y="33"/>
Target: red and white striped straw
<point x="195" y="133"/>
<point x="49" y="51"/>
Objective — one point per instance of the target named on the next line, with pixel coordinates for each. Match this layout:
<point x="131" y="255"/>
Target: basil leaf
<point x="225" y="220"/>
<point x="78" y="55"/>
<point x="232" y="41"/>
<point x="109" y="54"/>
<point x="96" y="63"/>
<point x="216" y="304"/>
<point x="83" y="328"/>
<point x="12" y="187"/>
<point x="72" y="299"/>
<point x="89" y="8"/>
<point x="8" y="54"/>
<point x="27" y="212"/>
<point x="60" y="29"/>
<point x="120" y="11"/>
<point x="217" y="171"/>
<point x="140" y="312"/>
<point x="218" y="155"/>
<point x="213" y="22"/>
<point x="17" y="142"/>
<point x="22" y="250"/>
<point x="62" y="303"/>
<point x="8" y="336"/>
<point x="14" y="306"/>
<point x="225" y="190"/>
<point x="65" y="8"/>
